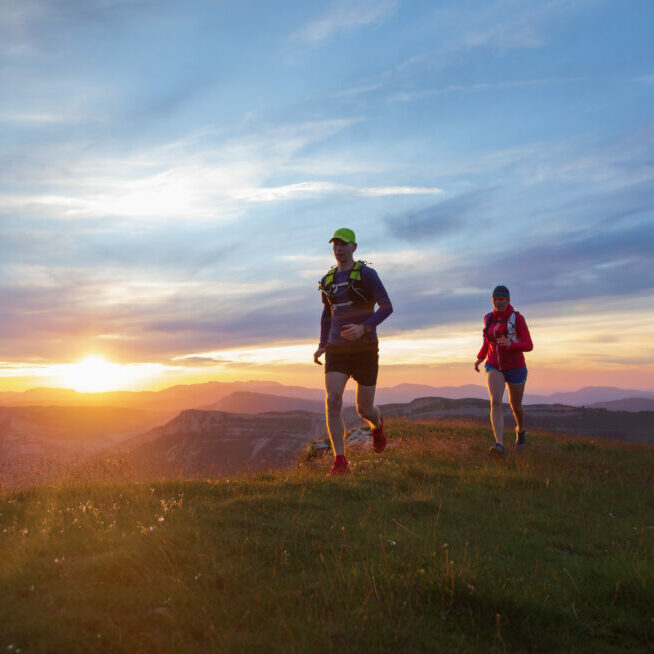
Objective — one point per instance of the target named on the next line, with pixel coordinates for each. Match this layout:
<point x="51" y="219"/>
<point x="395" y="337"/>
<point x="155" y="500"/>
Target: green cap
<point x="344" y="234"/>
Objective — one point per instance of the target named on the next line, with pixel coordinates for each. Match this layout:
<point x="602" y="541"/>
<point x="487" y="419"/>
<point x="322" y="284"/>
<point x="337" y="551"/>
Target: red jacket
<point x="510" y="356"/>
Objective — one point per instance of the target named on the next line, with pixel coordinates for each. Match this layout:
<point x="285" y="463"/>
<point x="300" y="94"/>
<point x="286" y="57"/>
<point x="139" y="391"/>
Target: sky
<point x="171" y="173"/>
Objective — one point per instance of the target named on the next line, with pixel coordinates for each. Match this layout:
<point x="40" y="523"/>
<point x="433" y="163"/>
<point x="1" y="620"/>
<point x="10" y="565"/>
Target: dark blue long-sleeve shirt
<point x="335" y="318"/>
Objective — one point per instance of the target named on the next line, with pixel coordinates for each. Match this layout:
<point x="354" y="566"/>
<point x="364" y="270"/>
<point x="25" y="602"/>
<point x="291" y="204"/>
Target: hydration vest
<point x="510" y="325"/>
<point x="356" y="293"/>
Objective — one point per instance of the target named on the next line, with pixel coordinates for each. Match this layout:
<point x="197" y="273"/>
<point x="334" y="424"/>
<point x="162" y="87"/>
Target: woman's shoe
<point x="520" y="440"/>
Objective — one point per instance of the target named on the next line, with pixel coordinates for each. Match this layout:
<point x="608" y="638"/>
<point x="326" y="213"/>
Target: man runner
<point x="348" y="339"/>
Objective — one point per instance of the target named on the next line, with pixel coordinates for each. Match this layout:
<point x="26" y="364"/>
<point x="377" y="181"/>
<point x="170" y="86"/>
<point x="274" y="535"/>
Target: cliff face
<point x="618" y="425"/>
<point x="214" y="442"/>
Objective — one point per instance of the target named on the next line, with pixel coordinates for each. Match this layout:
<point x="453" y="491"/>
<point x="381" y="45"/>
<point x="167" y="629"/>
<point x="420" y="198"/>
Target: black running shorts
<point x="361" y="365"/>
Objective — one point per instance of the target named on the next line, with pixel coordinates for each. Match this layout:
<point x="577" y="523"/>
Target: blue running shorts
<point x="513" y="376"/>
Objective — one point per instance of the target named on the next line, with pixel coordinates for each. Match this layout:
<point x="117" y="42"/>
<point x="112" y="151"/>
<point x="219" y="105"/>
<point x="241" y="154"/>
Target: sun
<point x="94" y="374"/>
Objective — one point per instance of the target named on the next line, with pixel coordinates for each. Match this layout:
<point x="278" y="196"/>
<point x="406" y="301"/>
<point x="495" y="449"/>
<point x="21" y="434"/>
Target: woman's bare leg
<point x="516" y="392"/>
<point x="495" y="381"/>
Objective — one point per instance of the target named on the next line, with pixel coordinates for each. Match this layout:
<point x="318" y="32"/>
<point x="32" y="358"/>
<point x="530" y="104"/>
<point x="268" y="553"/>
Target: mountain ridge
<point x="186" y="396"/>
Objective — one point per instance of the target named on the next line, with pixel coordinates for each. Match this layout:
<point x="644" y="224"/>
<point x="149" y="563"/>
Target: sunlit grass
<point x="431" y="546"/>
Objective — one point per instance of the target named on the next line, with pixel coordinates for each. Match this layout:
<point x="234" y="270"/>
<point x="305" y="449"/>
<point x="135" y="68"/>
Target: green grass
<point x="431" y="546"/>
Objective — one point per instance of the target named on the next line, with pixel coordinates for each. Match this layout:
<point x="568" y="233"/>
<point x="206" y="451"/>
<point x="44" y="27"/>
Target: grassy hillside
<point x="432" y="546"/>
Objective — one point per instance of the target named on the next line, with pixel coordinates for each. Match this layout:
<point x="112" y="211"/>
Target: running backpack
<point x="510" y="325"/>
<point x="356" y="293"/>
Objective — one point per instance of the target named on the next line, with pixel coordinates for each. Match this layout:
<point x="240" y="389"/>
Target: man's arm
<point x="377" y="292"/>
<point x="325" y="324"/>
<point x="380" y="296"/>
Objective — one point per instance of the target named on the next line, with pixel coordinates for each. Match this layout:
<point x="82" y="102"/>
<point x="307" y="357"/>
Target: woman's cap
<point x="344" y="234"/>
<point x="501" y="291"/>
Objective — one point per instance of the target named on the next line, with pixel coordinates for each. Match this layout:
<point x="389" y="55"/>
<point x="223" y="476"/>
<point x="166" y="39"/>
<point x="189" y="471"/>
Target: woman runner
<point x="506" y="338"/>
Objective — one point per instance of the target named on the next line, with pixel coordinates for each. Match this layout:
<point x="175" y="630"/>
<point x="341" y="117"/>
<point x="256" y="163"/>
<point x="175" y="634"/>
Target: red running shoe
<point x="340" y="467"/>
<point x="379" y="437"/>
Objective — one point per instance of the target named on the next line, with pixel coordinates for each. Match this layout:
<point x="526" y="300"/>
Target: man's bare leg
<point x="366" y="407"/>
<point x="334" y="388"/>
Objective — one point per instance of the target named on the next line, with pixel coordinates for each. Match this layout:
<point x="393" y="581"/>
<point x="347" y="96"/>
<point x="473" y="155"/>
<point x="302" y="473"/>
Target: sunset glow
<point x="94" y="374"/>
<point x="165" y="225"/>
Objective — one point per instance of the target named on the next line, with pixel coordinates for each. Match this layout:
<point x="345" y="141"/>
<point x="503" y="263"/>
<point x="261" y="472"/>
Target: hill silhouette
<point x="251" y="402"/>
<point x="627" y="404"/>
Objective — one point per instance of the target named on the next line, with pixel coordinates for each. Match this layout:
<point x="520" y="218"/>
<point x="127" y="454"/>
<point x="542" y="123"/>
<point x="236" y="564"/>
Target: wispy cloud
<point x="195" y="178"/>
<point x="438" y="219"/>
<point x="463" y="34"/>
<point x="30" y="25"/>
<point x="508" y="25"/>
<point x="314" y="266"/>
<point x="316" y="188"/>
<point x="44" y="118"/>
<point x="345" y="16"/>
<point x="409" y="96"/>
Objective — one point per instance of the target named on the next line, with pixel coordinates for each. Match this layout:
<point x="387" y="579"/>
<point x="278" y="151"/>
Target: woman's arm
<point x="524" y="343"/>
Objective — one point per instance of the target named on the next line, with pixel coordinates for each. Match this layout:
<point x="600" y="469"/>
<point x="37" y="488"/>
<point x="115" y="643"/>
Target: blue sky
<point x="170" y="174"/>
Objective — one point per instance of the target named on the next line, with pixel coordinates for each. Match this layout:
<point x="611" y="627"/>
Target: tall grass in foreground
<point x="431" y="546"/>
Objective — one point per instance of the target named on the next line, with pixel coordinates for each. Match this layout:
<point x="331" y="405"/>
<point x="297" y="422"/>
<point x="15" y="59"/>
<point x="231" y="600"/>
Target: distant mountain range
<point x="590" y="395"/>
<point x="179" y="398"/>
<point x="211" y="442"/>
<point x="250" y="402"/>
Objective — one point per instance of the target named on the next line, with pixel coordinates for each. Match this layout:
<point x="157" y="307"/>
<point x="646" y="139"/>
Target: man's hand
<point x="503" y="341"/>
<point x="317" y="354"/>
<point x="477" y="364"/>
<point x="352" y="332"/>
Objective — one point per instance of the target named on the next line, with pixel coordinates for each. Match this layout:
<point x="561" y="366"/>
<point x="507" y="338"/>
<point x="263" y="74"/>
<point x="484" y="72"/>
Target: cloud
<point x="345" y="16"/>
<point x="613" y="262"/>
<point x="410" y="96"/>
<point x="317" y="188"/>
<point x="43" y="118"/>
<point x="202" y="177"/>
<point x="27" y="23"/>
<point x="195" y="361"/>
<point x="519" y="27"/>
<point x="437" y="219"/>
<point x="464" y="35"/>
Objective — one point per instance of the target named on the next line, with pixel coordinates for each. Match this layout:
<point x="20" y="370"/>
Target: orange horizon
<point x="570" y="352"/>
<point x="543" y="380"/>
